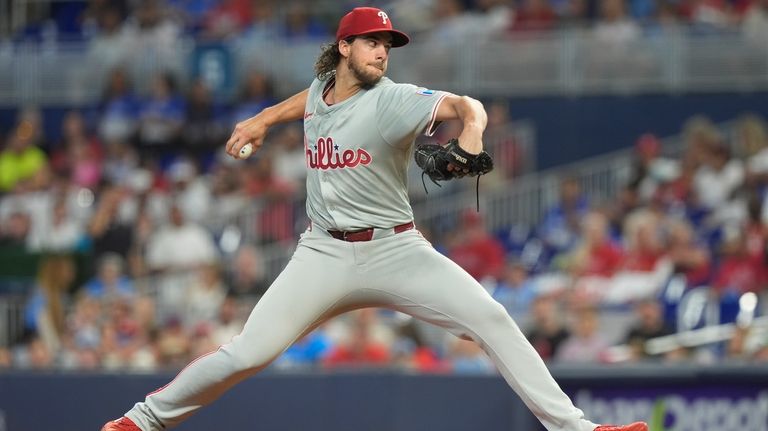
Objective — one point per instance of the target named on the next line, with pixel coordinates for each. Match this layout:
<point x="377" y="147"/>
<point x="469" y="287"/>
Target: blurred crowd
<point x="150" y="246"/>
<point x="149" y="253"/>
<point x="143" y="237"/>
<point x="138" y="21"/>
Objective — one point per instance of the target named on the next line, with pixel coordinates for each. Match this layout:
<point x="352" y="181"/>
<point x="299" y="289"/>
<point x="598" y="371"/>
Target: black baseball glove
<point x="434" y="160"/>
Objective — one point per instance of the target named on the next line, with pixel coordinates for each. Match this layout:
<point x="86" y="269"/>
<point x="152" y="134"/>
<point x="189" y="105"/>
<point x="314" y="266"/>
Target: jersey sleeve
<point x="405" y="110"/>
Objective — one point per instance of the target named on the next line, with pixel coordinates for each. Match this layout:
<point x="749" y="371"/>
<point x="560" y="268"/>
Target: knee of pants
<point x="493" y="319"/>
<point x="251" y="355"/>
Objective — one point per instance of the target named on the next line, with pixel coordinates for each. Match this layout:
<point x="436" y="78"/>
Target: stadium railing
<point x="570" y="61"/>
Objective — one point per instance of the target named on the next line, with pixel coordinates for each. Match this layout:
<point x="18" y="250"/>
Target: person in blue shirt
<point x="110" y="283"/>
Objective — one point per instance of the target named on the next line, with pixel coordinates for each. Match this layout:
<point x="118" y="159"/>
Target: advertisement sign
<point x="700" y="408"/>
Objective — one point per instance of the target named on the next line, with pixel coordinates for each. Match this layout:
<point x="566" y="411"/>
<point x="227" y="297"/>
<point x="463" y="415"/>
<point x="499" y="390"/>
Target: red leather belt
<point x="366" y="234"/>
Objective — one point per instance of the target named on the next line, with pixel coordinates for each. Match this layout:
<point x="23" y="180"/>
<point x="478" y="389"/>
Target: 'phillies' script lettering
<point x="326" y="155"/>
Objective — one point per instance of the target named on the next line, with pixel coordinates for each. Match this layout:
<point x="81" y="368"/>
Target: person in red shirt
<point x="597" y="254"/>
<point x="643" y="241"/>
<point x="534" y="15"/>
<point x="687" y="256"/>
<point x="362" y="349"/>
<point x="737" y="272"/>
<point x="477" y="251"/>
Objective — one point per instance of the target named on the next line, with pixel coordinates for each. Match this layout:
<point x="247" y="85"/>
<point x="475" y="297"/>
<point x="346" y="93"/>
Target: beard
<point x="366" y="77"/>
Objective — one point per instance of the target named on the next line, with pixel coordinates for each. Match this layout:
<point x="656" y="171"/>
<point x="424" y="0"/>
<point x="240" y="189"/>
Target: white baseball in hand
<point x="246" y="151"/>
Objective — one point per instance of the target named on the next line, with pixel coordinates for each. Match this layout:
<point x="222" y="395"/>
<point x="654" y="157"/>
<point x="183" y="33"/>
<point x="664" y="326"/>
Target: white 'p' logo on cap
<point x="383" y="16"/>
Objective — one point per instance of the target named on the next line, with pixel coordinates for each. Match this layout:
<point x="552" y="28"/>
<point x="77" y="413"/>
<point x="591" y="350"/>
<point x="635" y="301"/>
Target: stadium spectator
<point x="227" y="194"/>
<point x="21" y="160"/>
<point x="35" y="355"/>
<point x="174" y="251"/>
<point x="14" y="231"/>
<point x="300" y="25"/>
<point x="152" y="37"/>
<point x="118" y="109"/>
<point x="718" y="177"/>
<point x="202" y="341"/>
<point x="709" y="15"/>
<point x="226" y="19"/>
<point x="61" y="232"/>
<point x="257" y="93"/>
<point x="643" y="241"/>
<point x="229" y="323"/>
<point x="452" y="23"/>
<point x="510" y="157"/>
<point x="84" y="333"/>
<point x="364" y="345"/>
<point x="191" y="190"/>
<point x="560" y="225"/>
<point x="6" y="358"/>
<point x="516" y="290"/>
<point x="246" y="274"/>
<point x="172" y="345"/>
<point x="264" y="27"/>
<point x="614" y="30"/>
<point x="78" y="156"/>
<point x="45" y="312"/>
<point x="700" y="136"/>
<point x="649" y="324"/>
<point x="756" y="234"/>
<point x="650" y="170"/>
<point x="204" y="297"/>
<point x="275" y="219"/>
<point x="534" y="15"/>
<point x="309" y="351"/>
<point x="596" y="254"/>
<point x="644" y="11"/>
<point x="586" y="344"/>
<point x="689" y="256"/>
<point x="679" y="195"/>
<point x="476" y="250"/>
<point x="109" y="47"/>
<point x="161" y="116"/>
<point x="121" y="163"/>
<point x="751" y="136"/>
<point x="125" y="342"/>
<point x="547" y="331"/>
<point x="410" y="351"/>
<point x="737" y="272"/>
<point x="289" y="157"/>
<point x="81" y="346"/>
<point x="754" y="24"/>
<point x="203" y="127"/>
<point x="107" y="230"/>
<point x="466" y="357"/>
<point x="110" y="283"/>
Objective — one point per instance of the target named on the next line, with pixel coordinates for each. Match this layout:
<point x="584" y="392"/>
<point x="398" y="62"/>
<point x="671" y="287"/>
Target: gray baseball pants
<point x="327" y="277"/>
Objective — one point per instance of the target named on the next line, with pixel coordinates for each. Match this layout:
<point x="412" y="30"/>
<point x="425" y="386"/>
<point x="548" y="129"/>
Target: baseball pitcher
<point x="362" y="248"/>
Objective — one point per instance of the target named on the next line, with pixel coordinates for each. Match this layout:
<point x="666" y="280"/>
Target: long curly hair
<point x="329" y="58"/>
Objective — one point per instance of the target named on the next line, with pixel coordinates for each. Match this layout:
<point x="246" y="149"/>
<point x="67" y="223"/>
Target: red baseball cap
<point x="366" y="20"/>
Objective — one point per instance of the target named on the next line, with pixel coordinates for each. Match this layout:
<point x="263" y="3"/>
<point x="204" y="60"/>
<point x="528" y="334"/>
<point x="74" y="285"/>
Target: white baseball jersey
<point x="358" y="151"/>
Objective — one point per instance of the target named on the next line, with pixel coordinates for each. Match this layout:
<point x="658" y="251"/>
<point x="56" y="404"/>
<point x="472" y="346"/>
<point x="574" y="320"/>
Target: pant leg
<point x="313" y="285"/>
<point x="431" y="287"/>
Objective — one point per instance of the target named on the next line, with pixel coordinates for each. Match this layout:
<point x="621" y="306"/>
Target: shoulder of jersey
<point x="388" y="85"/>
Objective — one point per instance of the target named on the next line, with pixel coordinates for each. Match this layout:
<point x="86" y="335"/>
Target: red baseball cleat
<point x="636" y="426"/>
<point x="122" y="424"/>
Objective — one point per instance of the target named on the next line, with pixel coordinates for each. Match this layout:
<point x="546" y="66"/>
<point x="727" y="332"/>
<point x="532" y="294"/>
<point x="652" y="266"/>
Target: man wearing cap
<point x="362" y="248"/>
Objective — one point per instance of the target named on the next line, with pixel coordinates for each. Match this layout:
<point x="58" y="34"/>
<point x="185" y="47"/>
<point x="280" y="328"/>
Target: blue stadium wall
<point x="677" y="398"/>
<point x="571" y="128"/>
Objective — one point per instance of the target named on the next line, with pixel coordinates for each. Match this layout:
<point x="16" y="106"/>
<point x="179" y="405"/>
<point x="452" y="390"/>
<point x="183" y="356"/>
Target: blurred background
<point x="625" y="227"/>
